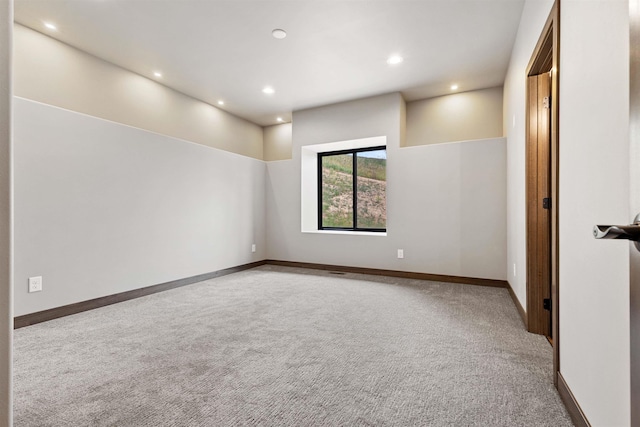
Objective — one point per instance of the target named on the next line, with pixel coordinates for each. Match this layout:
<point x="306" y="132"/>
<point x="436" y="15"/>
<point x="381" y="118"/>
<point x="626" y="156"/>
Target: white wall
<point x="6" y="305"/>
<point x="54" y="73"/>
<point x="277" y="142"/>
<point x="461" y="116"/>
<point x="594" y="189"/>
<point x="445" y="203"/>
<point x="594" y="300"/>
<point x="534" y="16"/>
<point x="103" y="208"/>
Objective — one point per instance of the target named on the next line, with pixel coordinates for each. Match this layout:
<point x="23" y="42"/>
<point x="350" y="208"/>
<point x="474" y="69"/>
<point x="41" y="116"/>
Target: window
<point x="352" y="189"/>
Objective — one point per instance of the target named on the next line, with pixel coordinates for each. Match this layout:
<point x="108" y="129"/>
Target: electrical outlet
<point x="253" y="247"/>
<point x="35" y="284"/>
<point x="514" y="270"/>
<point x="400" y="253"/>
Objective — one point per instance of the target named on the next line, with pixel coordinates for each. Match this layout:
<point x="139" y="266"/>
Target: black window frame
<point x="355" y="152"/>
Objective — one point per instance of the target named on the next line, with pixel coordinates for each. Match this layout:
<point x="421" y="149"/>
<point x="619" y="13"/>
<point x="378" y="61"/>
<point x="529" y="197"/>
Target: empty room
<point x="319" y="213"/>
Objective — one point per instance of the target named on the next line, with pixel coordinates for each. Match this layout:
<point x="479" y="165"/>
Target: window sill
<point x="348" y="233"/>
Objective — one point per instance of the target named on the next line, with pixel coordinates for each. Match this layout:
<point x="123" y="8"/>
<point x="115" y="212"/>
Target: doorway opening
<point x="542" y="186"/>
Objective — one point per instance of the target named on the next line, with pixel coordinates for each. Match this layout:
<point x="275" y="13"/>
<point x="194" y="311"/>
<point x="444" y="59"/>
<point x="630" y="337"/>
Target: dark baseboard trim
<point x="575" y="412"/>
<point x="516" y="302"/>
<point x="394" y="273"/>
<point x="79" y="307"/>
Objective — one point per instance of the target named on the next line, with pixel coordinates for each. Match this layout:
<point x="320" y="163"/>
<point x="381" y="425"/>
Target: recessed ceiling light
<point x="50" y="26"/>
<point x="220" y="102"/>
<point x="395" y="59"/>
<point x="454" y="87"/>
<point x="280" y="119"/>
<point x="268" y="90"/>
<point x="157" y="74"/>
<point x="278" y="33"/>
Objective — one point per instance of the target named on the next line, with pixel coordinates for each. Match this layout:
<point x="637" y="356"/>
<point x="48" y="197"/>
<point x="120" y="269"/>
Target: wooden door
<point x="539" y="204"/>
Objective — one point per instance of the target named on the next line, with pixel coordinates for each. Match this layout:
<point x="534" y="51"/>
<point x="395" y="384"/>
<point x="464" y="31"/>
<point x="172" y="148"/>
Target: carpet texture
<point x="277" y="346"/>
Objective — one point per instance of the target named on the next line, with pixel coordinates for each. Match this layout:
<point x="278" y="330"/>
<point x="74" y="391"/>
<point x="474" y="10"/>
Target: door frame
<point x="634" y="165"/>
<point x="546" y="56"/>
<point x="6" y="215"/>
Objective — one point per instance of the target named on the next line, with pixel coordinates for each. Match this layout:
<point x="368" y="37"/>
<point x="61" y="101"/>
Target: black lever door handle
<point x="626" y="232"/>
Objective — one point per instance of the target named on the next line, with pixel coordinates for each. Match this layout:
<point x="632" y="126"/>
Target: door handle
<point x="624" y="232"/>
<point x="627" y="232"/>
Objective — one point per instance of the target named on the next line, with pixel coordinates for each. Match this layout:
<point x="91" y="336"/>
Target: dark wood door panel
<point x="538" y="216"/>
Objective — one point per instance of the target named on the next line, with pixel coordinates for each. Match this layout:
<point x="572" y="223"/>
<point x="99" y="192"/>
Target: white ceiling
<point x="335" y="50"/>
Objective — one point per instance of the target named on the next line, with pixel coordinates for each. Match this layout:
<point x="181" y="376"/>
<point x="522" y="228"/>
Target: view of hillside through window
<point x="340" y="176"/>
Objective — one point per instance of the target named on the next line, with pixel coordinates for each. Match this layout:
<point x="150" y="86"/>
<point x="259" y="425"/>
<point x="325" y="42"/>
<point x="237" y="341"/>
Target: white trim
<point x="466" y="141"/>
<point x="349" y="233"/>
